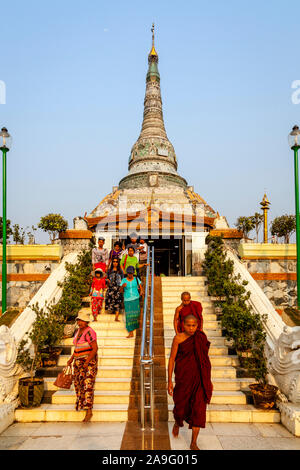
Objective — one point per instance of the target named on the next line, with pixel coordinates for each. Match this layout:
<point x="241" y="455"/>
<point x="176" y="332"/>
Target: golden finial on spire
<point x="153" y="51"/>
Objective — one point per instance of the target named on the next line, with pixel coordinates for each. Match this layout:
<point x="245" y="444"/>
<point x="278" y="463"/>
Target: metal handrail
<point x="146" y="360"/>
<point x="144" y="327"/>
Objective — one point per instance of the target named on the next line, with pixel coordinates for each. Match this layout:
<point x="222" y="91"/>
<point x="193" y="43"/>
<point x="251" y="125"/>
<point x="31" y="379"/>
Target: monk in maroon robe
<point x="187" y="307"/>
<point x="193" y="386"/>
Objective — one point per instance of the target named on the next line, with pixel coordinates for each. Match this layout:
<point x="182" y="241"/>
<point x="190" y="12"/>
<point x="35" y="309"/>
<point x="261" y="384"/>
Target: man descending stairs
<point x="229" y="402"/>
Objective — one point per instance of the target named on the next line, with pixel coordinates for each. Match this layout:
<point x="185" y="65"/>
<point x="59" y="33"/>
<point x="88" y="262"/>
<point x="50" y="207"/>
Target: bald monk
<point x="193" y="387"/>
<point x="187" y="307"/>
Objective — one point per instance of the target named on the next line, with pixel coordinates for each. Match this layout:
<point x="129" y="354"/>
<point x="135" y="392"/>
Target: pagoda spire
<point x="152" y="153"/>
<point x="153" y="121"/>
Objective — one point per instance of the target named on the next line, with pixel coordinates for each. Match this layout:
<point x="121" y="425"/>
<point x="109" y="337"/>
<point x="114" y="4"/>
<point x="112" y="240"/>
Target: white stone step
<point x="110" y="384"/>
<point x="217" y="413"/>
<point x="172" y="298"/>
<point x="112" y="341"/>
<point x="171" y="310"/>
<point x="121" y="351"/>
<point x="214" y="340"/>
<point x="183" y="280"/>
<point x="115" y="341"/>
<point x="216" y="360"/>
<point x="114" y="371"/>
<point x="213" y="350"/>
<point x="105" y="317"/>
<point x="169" y="332"/>
<point x="222" y="372"/>
<point x="219" y="361"/>
<point x="207" y="324"/>
<point x="104" y="333"/>
<point x="223" y="398"/>
<point x="173" y="303"/>
<point x="104" y="360"/>
<point x="219" y="372"/>
<point x="175" y="293"/>
<point x="110" y="326"/>
<point x="169" y="317"/>
<point x="66" y="412"/>
<point x="106" y="397"/>
<point x="236" y="384"/>
<point x="100" y="397"/>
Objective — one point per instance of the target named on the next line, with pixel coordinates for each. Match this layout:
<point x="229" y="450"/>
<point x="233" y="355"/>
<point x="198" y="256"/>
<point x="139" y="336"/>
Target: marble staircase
<point x="117" y="382"/>
<point x="229" y="400"/>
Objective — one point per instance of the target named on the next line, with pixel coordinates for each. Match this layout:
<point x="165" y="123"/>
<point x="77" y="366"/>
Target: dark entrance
<point x="169" y="256"/>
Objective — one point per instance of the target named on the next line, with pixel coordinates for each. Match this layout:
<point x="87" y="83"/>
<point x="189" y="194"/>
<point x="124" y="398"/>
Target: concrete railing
<point x="260" y="303"/>
<point x="282" y="349"/>
<point x="10" y="372"/>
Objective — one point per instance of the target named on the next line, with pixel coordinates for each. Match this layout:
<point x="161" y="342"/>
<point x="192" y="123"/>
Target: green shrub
<point x="243" y="326"/>
<point x="75" y="286"/>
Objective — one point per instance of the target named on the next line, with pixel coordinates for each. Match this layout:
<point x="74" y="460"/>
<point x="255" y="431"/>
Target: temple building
<point x="153" y="199"/>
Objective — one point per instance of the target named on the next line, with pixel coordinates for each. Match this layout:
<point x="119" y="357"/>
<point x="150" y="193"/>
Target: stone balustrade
<point x="10" y="372"/>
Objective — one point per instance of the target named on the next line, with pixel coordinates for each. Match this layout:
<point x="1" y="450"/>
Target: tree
<point x="53" y="224"/>
<point x="18" y="234"/>
<point x="30" y="235"/>
<point x="284" y="226"/>
<point x="245" y="225"/>
<point x="8" y="229"/>
<point x="257" y="219"/>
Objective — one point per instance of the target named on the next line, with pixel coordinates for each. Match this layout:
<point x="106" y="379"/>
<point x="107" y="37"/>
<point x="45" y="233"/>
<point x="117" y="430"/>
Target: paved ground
<point x="238" y="436"/>
<point x="108" y="436"/>
<point x="63" y="436"/>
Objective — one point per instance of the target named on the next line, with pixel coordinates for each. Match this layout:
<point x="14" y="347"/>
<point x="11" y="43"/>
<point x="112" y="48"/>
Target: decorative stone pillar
<point x="290" y="417"/>
<point x="77" y="239"/>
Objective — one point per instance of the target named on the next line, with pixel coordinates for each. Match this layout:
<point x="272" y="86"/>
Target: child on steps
<point x="97" y="292"/>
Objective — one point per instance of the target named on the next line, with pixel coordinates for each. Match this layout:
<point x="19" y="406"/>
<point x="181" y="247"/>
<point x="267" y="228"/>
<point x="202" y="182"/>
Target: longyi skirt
<point x="132" y="313"/>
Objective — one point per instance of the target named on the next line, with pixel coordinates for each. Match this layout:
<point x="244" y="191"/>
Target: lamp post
<point x="294" y="139"/>
<point x="5" y="144"/>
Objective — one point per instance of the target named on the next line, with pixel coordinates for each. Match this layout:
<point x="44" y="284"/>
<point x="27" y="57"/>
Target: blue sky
<point x="75" y="77"/>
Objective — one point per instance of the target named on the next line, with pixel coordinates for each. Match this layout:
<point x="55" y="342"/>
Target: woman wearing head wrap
<point x="85" y="364"/>
<point x="131" y="286"/>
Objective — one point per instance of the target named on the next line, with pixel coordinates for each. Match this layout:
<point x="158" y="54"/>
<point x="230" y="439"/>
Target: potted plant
<point x="31" y="389"/>
<point x="50" y="334"/>
<point x="264" y="394"/>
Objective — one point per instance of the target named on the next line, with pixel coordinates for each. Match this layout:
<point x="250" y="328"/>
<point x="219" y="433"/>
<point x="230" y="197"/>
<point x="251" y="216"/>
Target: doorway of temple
<point x="169" y="256"/>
